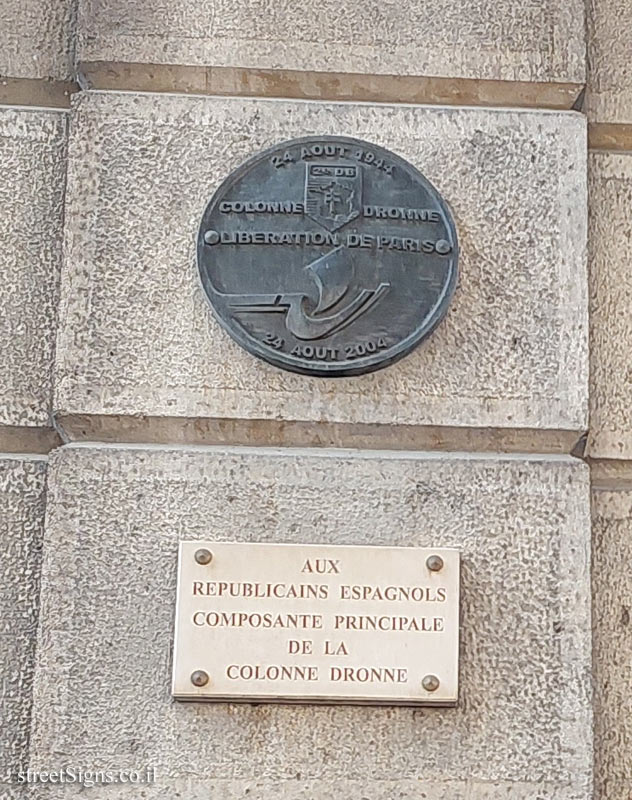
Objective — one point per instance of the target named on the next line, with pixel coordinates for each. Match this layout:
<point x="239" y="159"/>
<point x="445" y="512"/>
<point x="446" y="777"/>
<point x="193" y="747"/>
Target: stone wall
<point x="22" y="491"/>
<point x="33" y="157"/>
<point x="118" y="120"/>
<point x="116" y="515"/>
<point x="151" y="346"/>
<point x="609" y="108"/>
<point x="34" y="67"/>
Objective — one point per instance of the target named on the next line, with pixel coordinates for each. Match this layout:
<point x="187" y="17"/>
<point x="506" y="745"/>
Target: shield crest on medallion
<point x="333" y="194"/>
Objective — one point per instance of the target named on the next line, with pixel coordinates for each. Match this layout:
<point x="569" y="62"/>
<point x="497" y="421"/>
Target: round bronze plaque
<point x="328" y="256"/>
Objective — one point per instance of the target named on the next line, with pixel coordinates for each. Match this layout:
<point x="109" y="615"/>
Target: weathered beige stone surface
<point x="102" y="693"/>
<point x="612" y="606"/>
<point x="298" y="788"/>
<point x="22" y="485"/>
<point x="138" y="336"/>
<point x="610" y="246"/>
<point x="540" y="41"/>
<point x="32" y="161"/>
<point x="609" y="95"/>
<point x="36" y="38"/>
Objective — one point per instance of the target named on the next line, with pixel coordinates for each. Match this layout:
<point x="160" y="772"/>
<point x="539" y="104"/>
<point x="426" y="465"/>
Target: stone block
<point x="36" y="39"/>
<point x="609" y="95"/>
<point x="138" y="337"/>
<point x="612" y="642"/>
<point x="477" y="39"/>
<point x="523" y="727"/>
<point x="32" y="158"/>
<point x="22" y="487"/>
<point x="610" y="279"/>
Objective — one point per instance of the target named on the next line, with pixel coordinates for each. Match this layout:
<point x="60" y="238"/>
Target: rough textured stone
<point x="32" y="159"/>
<point x="609" y="96"/>
<point x="539" y="41"/>
<point x="102" y="695"/>
<point x="610" y="304"/>
<point x="35" y="38"/>
<point x="22" y="483"/>
<point x="139" y="338"/>
<point x="612" y="642"/>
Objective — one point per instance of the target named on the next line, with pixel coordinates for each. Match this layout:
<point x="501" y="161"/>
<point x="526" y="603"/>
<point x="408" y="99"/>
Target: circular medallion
<point x="328" y="256"/>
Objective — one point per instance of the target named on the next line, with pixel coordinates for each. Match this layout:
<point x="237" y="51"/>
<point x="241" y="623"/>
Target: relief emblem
<point x="333" y="194"/>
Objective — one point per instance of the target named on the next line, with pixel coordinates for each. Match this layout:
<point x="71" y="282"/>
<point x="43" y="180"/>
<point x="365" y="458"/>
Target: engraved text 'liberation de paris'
<point x="317" y="623"/>
<point x="328" y="256"/>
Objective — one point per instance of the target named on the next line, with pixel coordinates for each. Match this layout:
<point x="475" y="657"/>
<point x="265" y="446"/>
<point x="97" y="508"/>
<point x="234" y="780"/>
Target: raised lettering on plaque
<point x="328" y="256"/>
<point x="317" y="623"/>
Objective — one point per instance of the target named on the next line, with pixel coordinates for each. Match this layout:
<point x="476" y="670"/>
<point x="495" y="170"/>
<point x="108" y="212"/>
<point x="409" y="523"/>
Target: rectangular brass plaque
<point x="316" y="623"/>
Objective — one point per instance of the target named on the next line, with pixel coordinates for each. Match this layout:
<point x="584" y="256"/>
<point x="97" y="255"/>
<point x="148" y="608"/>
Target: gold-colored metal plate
<point x="317" y="623"/>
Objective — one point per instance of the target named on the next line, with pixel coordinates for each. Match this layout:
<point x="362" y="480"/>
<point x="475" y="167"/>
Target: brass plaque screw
<point x="430" y="683"/>
<point x="434" y="563"/>
<point x="199" y="677"/>
<point x="203" y="556"/>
